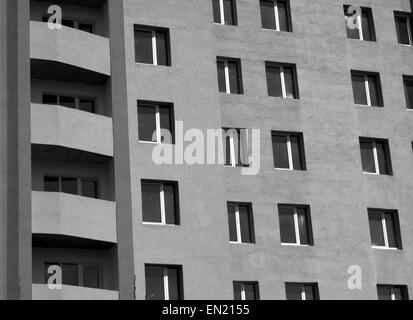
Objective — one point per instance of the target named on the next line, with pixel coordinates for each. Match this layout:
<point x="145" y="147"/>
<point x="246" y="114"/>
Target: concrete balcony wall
<point x="70" y="46"/>
<point x="64" y="214"/>
<point x="70" y="128"/>
<point x="42" y="292"/>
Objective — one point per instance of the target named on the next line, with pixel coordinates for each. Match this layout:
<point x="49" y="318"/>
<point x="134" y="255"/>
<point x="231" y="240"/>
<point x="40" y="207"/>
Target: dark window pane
<point x="237" y="291"/>
<point x="246" y="224"/>
<point x="87" y="27"/>
<point x="229" y="12"/>
<point x="174" y="285"/>
<point x="274" y="81"/>
<point x="280" y="152"/>
<point x="69" y="185"/>
<point x="289" y="82"/>
<point x="233" y="237"/>
<point x="170" y="204"/>
<point x="250" y="291"/>
<point x="351" y="33"/>
<point x="147" y="123"/>
<point x="87" y="105"/>
<point x="70" y="274"/>
<point x="402" y="30"/>
<point x="90" y="188"/>
<point x="374" y="91"/>
<point x="391" y="230"/>
<point x="303" y="226"/>
<point x="68" y="23"/>
<point x="162" y="48"/>
<point x="267" y="14"/>
<point x="143" y="46"/>
<point x="49" y="99"/>
<point x="408" y="88"/>
<point x="51" y="184"/>
<point x="359" y="89"/>
<point x="69" y="102"/>
<point x="367" y="25"/>
<point x="367" y="156"/>
<point x="283" y="15"/>
<point x="382" y="157"/>
<point x="151" y="203"/>
<point x="228" y="158"/>
<point x="384" y="292"/>
<point x="310" y="292"/>
<point x="293" y="291"/>
<point x="166" y="124"/>
<point x="221" y="76"/>
<point x="287" y="227"/>
<point x="376" y="229"/>
<point x="91" y="277"/>
<point x="154" y="278"/>
<point x="398" y="294"/>
<point x="217" y="11"/>
<point x="296" y="152"/>
<point x="234" y="80"/>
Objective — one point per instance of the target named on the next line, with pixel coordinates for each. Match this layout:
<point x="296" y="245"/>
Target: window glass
<point x="166" y="124"/>
<point x="384" y="292"/>
<point x="68" y="23"/>
<point x="402" y="30"/>
<point x="49" y="99"/>
<point x="293" y="291"/>
<point x="250" y="291"/>
<point x="69" y="185"/>
<point x="280" y="150"/>
<point x="408" y="87"/>
<point x="374" y="91"/>
<point x="90" y="188"/>
<point x="70" y="274"/>
<point x="237" y="291"/>
<point x="217" y="11"/>
<point x="359" y="89"/>
<point x="169" y="196"/>
<point x="87" y="105"/>
<point x="162" y="48"/>
<point x="367" y="25"/>
<point x="229" y="12"/>
<point x="246" y="224"/>
<point x="391" y="229"/>
<point x="173" y="281"/>
<point x="51" y="184"/>
<point x="87" y="27"/>
<point x="69" y="102"/>
<point x="382" y="157"/>
<point x="287" y="227"/>
<point x="267" y="14"/>
<point x="376" y="229"/>
<point x="398" y="293"/>
<point x="143" y="46"/>
<point x="351" y="33"/>
<point x="147" y="123"/>
<point x="283" y="15"/>
<point x="154" y="278"/>
<point x="367" y="156"/>
<point x="310" y="292"/>
<point x="151" y="203"/>
<point x="274" y="81"/>
<point x="289" y="82"/>
<point x="232" y="224"/>
<point x="234" y="80"/>
<point x="228" y="158"/>
<point x="296" y="153"/>
<point x="303" y="226"/>
<point x="91" y="277"/>
<point x="221" y="76"/>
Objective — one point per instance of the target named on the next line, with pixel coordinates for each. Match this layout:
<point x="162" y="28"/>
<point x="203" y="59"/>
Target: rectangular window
<point x="241" y="224"/>
<point x="408" y="89"/>
<point x="375" y="156"/>
<point x="302" y="291"/>
<point x="156" y="122"/>
<point x="160" y="203"/>
<point x="392" y="292"/>
<point x="229" y="75"/>
<point x="163" y="282"/>
<point x="225" y="12"/>
<point x="79" y="275"/>
<point x="76" y="24"/>
<point x="281" y="80"/>
<point x="288" y="151"/>
<point x="246" y="291"/>
<point x="236" y="147"/>
<point x="403" y="23"/>
<point x="295" y="225"/>
<point x="364" y="24"/>
<point x="152" y="46"/>
<point x="80" y="103"/>
<point x="275" y="15"/>
<point x="384" y="229"/>
<point x="71" y="185"/>
<point x="367" y="88"/>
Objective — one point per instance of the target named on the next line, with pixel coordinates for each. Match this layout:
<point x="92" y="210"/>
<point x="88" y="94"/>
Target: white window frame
<point x="238" y="226"/>
<point x="227" y="82"/>
<point x="385" y="235"/>
<point x="290" y="156"/>
<point x="162" y="206"/>
<point x="277" y="16"/>
<point x="376" y="160"/>
<point x="157" y="124"/>
<point x="367" y="90"/>
<point x="297" y="231"/>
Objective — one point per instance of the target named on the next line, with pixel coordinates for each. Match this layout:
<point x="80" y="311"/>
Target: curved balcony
<point x="42" y="292"/>
<point x="71" y="128"/>
<point x="74" y="216"/>
<point x="71" y="47"/>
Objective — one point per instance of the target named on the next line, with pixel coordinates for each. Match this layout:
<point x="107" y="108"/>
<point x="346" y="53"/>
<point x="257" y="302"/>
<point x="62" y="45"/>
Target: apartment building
<point x="327" y="216"/>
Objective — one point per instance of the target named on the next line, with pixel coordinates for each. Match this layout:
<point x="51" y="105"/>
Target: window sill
<point x="242" y="243"/>
<point x="150" y="64"/>
<point x="295" y="245"/>
<point x="155" y="143"/>
<point x="385" y="248"/>
<point x="225" y="25"/>
<point x="275" y="30"/>
<point x="159" y="224"/>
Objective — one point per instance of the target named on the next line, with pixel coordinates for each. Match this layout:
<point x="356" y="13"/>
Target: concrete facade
<point x="38" y="140"/>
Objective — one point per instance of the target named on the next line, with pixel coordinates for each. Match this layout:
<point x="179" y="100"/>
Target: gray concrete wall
<point x="334" y="186"/>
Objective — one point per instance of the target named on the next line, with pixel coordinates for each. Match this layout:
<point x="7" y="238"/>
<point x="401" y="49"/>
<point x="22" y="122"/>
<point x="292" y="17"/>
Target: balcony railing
<point x="42" y="292"/>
